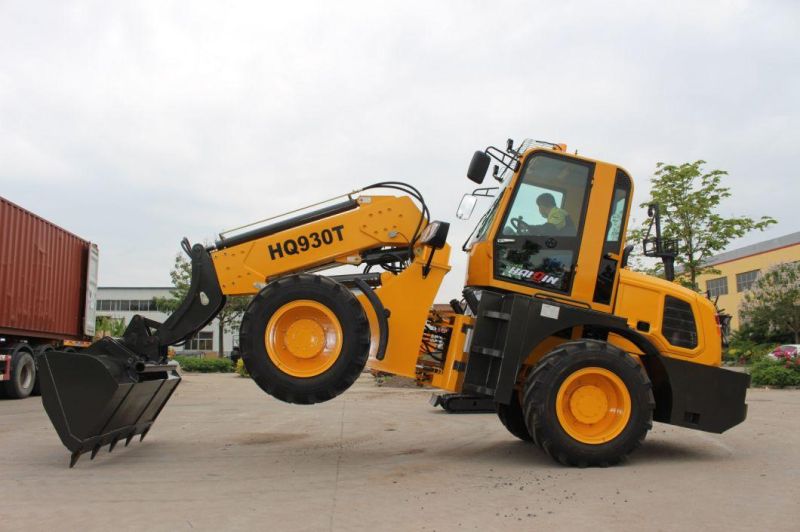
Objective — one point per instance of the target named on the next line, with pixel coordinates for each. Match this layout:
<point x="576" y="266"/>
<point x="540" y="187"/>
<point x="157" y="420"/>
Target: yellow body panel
<point x="409" y="296"/>
<point x="378" y="221"/>
<point x="641" y="298"/>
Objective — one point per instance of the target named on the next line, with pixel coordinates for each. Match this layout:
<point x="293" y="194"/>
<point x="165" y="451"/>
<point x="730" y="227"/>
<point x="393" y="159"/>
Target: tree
<point x="228" y="318"/>
<point x="108" y="326"/>
<point x="689" y="199"/>
<point x="772" y="305"/>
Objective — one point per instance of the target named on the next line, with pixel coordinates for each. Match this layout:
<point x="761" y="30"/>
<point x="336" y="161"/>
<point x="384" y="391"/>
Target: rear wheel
<point x="23" y="372"/>
<point x="513" y="418"/>
<point x="588" y="403"/>
<point x="305" y="339"/>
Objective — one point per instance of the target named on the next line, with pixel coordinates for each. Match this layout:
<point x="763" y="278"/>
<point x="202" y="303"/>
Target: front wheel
<point x="305" y="339"/>
<point x="588" y="403"/>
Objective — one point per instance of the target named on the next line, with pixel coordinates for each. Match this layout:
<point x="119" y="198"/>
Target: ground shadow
<point x="668" y="451"/>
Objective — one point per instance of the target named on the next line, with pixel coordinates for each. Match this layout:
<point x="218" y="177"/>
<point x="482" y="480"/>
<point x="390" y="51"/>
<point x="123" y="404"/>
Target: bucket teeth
<point x="93" y="400"/>
<point x="141" y="438"/>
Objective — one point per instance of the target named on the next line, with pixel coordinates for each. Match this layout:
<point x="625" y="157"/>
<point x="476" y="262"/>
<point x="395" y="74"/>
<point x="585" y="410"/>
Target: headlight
<point x="435" y="234"/>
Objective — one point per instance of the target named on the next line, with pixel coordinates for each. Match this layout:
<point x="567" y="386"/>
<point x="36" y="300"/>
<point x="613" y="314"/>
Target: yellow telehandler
<point x="578" y="353"/>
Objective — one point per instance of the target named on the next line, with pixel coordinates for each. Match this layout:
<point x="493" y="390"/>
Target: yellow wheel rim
<point x="303" y="338"/>
<point x="593" y="405"/>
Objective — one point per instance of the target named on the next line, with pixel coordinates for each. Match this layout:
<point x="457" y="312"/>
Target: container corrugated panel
<point x="42" y="276"/>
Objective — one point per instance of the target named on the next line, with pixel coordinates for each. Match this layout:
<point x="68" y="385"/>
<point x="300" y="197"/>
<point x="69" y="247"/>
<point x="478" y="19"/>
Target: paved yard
<point x="224" y="455"/>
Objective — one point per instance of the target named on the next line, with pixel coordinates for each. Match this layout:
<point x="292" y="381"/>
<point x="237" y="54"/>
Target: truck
<point x="578" y="353"/>
<point x="48" y="290"/>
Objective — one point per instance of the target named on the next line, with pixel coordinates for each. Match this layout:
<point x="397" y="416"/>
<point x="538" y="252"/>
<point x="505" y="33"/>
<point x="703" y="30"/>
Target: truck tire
<point x="23" y="373"/>
<point x="588" y="403"/>
<point x="513" y="418"/>
<point x="304" y="339"/>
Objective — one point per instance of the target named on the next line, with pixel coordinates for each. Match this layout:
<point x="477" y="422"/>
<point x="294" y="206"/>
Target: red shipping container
<point x="48" y="278"/>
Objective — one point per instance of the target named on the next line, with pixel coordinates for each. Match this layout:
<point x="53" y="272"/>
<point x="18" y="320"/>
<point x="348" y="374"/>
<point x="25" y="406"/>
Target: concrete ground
<point x="224" y="455"/>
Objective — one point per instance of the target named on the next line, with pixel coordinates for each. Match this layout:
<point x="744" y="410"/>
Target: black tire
<point x="38" y="351"/>
<point x="23" y="373"/>
<point x="513" y="418"/>
<point x="355" y="339"/>
<point x="539" y="403"/>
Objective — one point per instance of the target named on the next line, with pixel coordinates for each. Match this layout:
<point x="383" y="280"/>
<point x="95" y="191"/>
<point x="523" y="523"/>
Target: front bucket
<point x="95" y="398"/>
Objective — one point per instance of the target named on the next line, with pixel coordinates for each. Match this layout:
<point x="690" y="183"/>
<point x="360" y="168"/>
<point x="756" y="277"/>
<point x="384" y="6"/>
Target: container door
<point x="90" y="310"/>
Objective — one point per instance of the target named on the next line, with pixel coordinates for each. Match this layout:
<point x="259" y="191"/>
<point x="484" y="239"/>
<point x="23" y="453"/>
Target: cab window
<point x="549" y="200"/>
<point x="539" y="238"/>
<point x="609" y="264"/>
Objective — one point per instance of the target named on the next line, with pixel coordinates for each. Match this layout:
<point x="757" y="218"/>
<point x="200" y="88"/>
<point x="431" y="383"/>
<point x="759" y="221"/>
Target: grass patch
<point x="205" y="365"/>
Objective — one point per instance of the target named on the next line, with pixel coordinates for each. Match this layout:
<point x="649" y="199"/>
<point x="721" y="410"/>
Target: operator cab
<point x="548" y="202"/>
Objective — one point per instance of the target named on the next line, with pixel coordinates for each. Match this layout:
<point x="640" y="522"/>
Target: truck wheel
<point x="588" y="403"/>
<point x="23" y="373"/>
<point x="512" y="418"/>
<point x="304" y="339"/>
<point x="38" y="351"/>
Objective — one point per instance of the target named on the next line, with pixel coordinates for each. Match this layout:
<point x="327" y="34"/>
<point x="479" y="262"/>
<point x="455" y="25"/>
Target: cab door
<point x="611" y="258"/>
<point x="538" y="241"/>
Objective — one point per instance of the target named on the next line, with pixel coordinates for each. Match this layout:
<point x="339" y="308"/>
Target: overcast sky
<point x="133" y="124"/>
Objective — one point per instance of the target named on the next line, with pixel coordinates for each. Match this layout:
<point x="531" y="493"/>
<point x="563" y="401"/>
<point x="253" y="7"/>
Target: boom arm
<point x="313" y="242"/>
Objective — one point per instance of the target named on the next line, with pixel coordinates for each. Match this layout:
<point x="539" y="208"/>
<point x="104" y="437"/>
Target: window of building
<point x="679" y="327"/>
<point x="202" y="341"/>
<point x="745" y="280"/>
<point x="717" y="287"/>
<point x="127" y="305"/>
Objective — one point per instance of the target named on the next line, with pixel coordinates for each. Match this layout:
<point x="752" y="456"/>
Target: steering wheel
<point x="521" y="227"/>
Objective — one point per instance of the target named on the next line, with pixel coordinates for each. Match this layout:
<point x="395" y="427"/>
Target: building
<point x="739" y="269"/>
<point x="124" y="302"/>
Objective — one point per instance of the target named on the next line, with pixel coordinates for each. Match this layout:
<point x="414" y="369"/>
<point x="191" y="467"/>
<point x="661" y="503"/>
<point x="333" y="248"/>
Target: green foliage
<point x="205" y="365"/>
<point x="241" y="369"/>
<point x="689" y="199"/>
<point x="108" y="326"/>
<point x="772" y="305"/>
<point x="743" y="350"/>
<point x="768" y="372"/>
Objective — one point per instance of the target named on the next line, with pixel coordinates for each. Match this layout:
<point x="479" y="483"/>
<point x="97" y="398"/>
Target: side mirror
<point x="478" y="167"/>
<point x="466" y="207"/>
